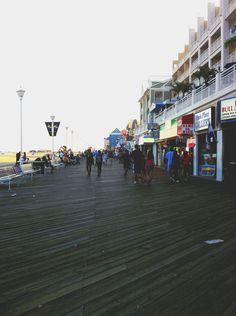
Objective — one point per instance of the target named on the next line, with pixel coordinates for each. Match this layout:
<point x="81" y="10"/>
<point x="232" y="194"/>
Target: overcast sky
<point x="84" y="62"/>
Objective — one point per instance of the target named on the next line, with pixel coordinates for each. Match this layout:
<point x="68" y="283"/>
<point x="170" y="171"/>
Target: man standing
<point x="169" y="157"/>
<point x="89" y="161"/>
<point x="99" y="162"/>
<point x="126" y="161"/>
<point x="137" y="160"/>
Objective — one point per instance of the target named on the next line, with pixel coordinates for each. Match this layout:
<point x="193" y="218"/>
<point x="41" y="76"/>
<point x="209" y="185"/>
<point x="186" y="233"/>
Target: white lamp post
<point x="67" y="137"/>
<point x="20" y="94"/>
<point x="72" y="132"/>
<point x="52" y="118"/>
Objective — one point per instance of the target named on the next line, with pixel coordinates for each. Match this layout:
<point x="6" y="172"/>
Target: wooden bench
<point x="8" y="174"/>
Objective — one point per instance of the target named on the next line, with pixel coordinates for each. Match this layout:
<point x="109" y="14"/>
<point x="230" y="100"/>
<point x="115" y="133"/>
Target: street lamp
<point x="67" y="137"/>
<point x="52" y="118"/>
<point x="72" y="132"/>
<point x="20" y="94"/>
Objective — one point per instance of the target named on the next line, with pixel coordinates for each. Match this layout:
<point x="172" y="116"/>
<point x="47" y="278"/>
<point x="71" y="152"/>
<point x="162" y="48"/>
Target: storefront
<point x="185" y="135"/>
<point x="227" y="122"/>
<point x="205" y="156"/>
<point x="168" y="136"/>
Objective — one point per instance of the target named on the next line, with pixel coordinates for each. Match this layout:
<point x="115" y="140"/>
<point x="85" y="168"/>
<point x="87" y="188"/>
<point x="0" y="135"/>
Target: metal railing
<point x="204" y="35"/>
<point x="194" y="65"/>
<point x="231" y="57"/>
<point x="204" y="55"/>
<point x="226" y="79"/>
<point x="215" y="45"/>
<point x="214" y="23"/>
<point x="230" y="8"/>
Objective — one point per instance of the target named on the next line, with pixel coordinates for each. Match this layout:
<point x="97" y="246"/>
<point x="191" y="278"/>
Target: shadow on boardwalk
<point x="77" y="245"/>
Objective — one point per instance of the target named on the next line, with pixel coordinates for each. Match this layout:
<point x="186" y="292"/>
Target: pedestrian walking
<point x="176" y="166"/>
<point x="169" y="161"/>
<point x="89" y="161"/>
<point x="99" y="162"/>
<point x="126" y="161"/>
<point x="149" y="166"/>
<point x="137" y="161"/>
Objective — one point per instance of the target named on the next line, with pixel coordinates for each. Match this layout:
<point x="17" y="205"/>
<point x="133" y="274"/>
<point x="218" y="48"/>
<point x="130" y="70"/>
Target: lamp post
<point x="72" y="132"/>
<point x="52" y="118"/>
<point x="20" y="94"/>
<point x="67" y="137"/>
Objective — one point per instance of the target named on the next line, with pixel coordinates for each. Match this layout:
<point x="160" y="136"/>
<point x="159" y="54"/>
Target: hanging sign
<point x="202" y="120"/>
<point x="56" y="126"/>
<point x="49" y="128"/>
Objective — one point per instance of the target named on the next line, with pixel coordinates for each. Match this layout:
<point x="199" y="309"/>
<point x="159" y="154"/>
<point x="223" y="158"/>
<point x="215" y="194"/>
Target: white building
<point x="212" y="44"/>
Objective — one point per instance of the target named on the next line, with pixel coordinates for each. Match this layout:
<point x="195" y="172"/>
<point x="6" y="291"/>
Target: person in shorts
<point x="149" y="166"/>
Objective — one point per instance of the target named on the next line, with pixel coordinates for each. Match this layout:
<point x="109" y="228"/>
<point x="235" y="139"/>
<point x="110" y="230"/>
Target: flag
<point x="210" y="137"/>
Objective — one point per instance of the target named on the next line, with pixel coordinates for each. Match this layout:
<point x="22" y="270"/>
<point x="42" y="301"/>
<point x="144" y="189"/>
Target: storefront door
<point x="229" y="152"/>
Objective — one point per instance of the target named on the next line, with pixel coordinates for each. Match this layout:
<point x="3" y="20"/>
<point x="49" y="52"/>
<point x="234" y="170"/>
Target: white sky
<point x="84" y="61"/>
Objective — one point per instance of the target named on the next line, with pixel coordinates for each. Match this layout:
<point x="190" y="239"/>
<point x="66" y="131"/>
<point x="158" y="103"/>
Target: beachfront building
<point x="207" y="66"/>
<point x="152" y="100"/>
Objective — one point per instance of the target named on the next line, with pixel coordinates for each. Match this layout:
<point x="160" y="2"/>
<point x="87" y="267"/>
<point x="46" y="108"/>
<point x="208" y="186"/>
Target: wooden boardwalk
<point x="76" y="246"/>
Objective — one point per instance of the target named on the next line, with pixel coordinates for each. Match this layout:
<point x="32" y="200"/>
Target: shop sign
<point x="202" y="120"/>
<point x="185" y="125"/>
<point x="207" y="170"/>
<point x="148" y="140"/>
<point x="228" y="110"/>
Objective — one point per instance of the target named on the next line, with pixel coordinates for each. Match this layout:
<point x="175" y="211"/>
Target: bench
<point x="8" y="174"/>
<point x="28" y="169"/>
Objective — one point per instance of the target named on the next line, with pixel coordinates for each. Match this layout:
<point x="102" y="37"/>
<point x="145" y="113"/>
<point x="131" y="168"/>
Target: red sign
<point x="185" y="125"/>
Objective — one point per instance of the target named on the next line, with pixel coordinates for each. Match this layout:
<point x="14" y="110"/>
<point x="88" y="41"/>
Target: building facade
<point x="209" y="108"/>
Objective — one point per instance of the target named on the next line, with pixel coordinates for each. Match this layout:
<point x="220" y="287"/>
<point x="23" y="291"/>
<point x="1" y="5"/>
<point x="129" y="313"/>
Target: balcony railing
<point x="193" y="100"/>
<point x="203" y="35"/>
<point x="231" y="33"/>
<point x="194" y="45"/>
<point x="141" y="129"/>
<point x="215" y="45"/>
<point x="183" y="76"/>
<point x="231" y="58"/>
<point x="194" y="65"/>
<point x="214" y="23"/>
<point x="231" y="7"/>
<point x="216" y="66"/>
<point x="204" y="55"/>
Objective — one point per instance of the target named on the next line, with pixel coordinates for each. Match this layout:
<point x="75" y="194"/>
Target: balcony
<point x="204" y="35"/>
<point x="214" y="23"/>
<point x="194" y="65"/>
<point x="223" y="83"/>
<point x="204" y="56"/>
<point x="231" y="32"/>
<point x="230" y="8"/>
<point x="141" y="129"/>
<point x="215" y="45"/>
<point x="231" y="58"/>
<point x="183" y="76"/>
<point x="194" y="45"/>
<point x="217" y="65"/>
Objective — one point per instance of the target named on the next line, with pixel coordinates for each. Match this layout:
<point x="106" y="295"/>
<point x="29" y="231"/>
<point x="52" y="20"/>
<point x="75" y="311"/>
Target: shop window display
<point x="207" y="156"/>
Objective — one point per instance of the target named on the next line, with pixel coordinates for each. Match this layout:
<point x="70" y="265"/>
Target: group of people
<point x="178" y="164"/>
<point x="136" y="161"/>
<point x="142" y="166"/>
<point x="92" y="159"/>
